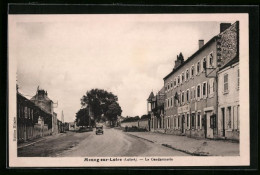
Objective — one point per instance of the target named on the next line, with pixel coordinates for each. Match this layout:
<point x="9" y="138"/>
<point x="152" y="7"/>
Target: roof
<point x="151" y="96"/>
<point x="45" y="98"/>
<point x="191" y="57"/>
<point x="231" y="62"/>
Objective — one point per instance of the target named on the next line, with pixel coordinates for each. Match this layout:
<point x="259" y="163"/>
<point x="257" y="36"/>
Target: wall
<point x="129" y="124"/>
<point x="194" y="105"/>
<point x="229" y="99"/>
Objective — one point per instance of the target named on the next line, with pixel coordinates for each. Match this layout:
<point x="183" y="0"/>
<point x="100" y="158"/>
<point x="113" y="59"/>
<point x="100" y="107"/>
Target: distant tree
<point x="113" y="111"/>
<point x="99" y="101"/>
<point x="145" y="116"/>
<point x="82" y="117"/>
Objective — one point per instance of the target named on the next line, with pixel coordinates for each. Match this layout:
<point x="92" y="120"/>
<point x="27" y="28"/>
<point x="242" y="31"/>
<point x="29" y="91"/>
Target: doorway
<point x="182" y="124"/>
<point x="223" y="121"/>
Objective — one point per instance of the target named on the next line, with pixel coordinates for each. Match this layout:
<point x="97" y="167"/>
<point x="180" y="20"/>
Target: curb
<point x="23" y="146"/>
<point x="169" y="146"/>
<point x="185" y="151"/>
<point x="140" y="137"/>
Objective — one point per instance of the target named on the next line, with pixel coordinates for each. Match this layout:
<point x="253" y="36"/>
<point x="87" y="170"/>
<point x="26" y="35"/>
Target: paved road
<point x="113" y="143"/>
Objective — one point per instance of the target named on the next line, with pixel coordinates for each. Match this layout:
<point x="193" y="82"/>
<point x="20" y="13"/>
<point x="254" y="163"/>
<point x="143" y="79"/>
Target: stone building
<point x="191" y="87"/>
<point x="155" y="107"/>
<point x="228" y="106"/>
<point x="42" y="100"/>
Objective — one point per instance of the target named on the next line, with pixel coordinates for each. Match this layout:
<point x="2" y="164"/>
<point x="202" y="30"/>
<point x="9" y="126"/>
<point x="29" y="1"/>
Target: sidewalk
<point x="33" y="141"/>
<point x="197" y="147"/>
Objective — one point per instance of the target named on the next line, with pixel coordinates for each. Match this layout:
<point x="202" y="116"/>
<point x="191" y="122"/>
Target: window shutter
<point x="201" y="65"/>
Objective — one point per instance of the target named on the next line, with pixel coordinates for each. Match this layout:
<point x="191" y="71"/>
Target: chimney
<point x="201" y="43"/>
<point x="224" y="26"/>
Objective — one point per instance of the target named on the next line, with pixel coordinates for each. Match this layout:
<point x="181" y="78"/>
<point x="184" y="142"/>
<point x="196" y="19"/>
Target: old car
<point x="99" y="130"/>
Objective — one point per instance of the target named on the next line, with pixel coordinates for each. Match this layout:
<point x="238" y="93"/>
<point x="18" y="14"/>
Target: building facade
<point x="155" y="108"/>
<point x="42" y="100"/>
<point x="32" y="121"/>
<point x="191" y="93"/>
<point x="228" y="106"/>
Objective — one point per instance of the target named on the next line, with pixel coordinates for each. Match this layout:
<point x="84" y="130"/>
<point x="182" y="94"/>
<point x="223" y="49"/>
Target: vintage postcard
<point x="100" y="90"/>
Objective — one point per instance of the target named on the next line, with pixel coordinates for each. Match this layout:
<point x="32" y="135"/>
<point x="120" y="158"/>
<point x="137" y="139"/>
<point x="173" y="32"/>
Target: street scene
<point x="148" y="89"/>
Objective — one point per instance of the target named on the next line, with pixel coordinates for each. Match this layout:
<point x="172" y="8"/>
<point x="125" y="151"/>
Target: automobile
<point x="99" y="130"/>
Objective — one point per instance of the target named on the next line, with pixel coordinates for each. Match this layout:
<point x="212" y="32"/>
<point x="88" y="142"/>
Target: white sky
<point x="128" y="55"/>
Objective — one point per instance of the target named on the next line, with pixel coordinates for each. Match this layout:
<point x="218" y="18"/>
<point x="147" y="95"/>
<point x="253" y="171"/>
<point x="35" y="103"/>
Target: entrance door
<point x="223" y="121"/>
<point x="182" y="123"/>
<point x="209" y="125"/>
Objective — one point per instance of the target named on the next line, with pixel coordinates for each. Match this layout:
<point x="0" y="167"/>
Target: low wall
<point x="129" y="124"/>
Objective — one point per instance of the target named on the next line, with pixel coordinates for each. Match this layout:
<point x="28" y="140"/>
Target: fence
<point x="31" y="132"/>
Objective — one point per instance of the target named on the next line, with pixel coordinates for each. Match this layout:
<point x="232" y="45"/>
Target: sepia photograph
<point x="128" y="90"/>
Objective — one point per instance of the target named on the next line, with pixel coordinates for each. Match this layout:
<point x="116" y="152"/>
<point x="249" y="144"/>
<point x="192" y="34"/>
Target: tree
<point x="82" y="117"/>
<point x="99" y="101"/>
<point x="113" y="111"/>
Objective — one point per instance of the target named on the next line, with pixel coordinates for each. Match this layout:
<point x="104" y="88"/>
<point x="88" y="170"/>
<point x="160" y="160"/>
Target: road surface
<point x="112" y="143"/>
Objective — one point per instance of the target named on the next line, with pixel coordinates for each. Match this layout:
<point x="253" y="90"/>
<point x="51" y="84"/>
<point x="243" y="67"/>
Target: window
<point x="192" y="120"/>
<point x="182" y="77"/>
<point x="211" y="59"/>
<point x="225" y="83"/>
<point x="204" y="89"/>
<point x="198" y="91"/>
<point x="171" y="101"/>
<point x="211" y="87"/>
<point x="204" y="62"/>
<point x="168" y="103"/>
<point x="238" y="80"/>
<point x="229" y="116"/>
<point x="194" y="93"/>
<point x="198" y="67"/>
<point x="198" y="118"/>
<point x="187" y="75"/>
<point x="187" y="95"/>
<point x="191" y="95"/>
<point x="168" y="86"/>
<point x="168" y="122"/>
<point x="174" y="82"/>
<point x="165" y="88"/>
<point x="192" y="71"/>
<point x="182" y="97"/>
<point x="178" y="122"/>
<point x="25" y="112"/>
<point x="188" y="120"/>
<point x="174" y="121"/>
<point x="171" y="84"/>
<point x="179" y="80"/>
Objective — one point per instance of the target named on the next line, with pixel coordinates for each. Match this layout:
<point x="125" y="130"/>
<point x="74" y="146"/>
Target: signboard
<point x="183" y="109"/>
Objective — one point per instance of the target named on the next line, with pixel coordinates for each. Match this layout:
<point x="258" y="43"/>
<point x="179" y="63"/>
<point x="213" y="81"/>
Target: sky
<point x="128" y="55"/>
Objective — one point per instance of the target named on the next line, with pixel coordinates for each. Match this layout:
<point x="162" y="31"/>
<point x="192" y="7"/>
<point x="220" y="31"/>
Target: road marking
<point x="22" y="146"/>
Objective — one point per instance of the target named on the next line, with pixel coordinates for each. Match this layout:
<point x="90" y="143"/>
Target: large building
<point x="191" y="93"/>
<point x="42" y="100"/>
<point x="32" y="120"/>
<point x="228" y="101"/>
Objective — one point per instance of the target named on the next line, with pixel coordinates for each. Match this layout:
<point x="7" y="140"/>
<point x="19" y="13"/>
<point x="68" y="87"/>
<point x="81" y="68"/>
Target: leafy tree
<point x="82" y="117"/>
<point x="99" y="101"/>
<point x="113" y="111"/>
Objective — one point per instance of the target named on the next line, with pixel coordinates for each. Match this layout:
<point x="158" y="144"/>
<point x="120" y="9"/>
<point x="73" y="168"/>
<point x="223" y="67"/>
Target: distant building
<point x="42" y="100"/>
<point x="228" y="106"/>
<point x="156" y="110"/>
